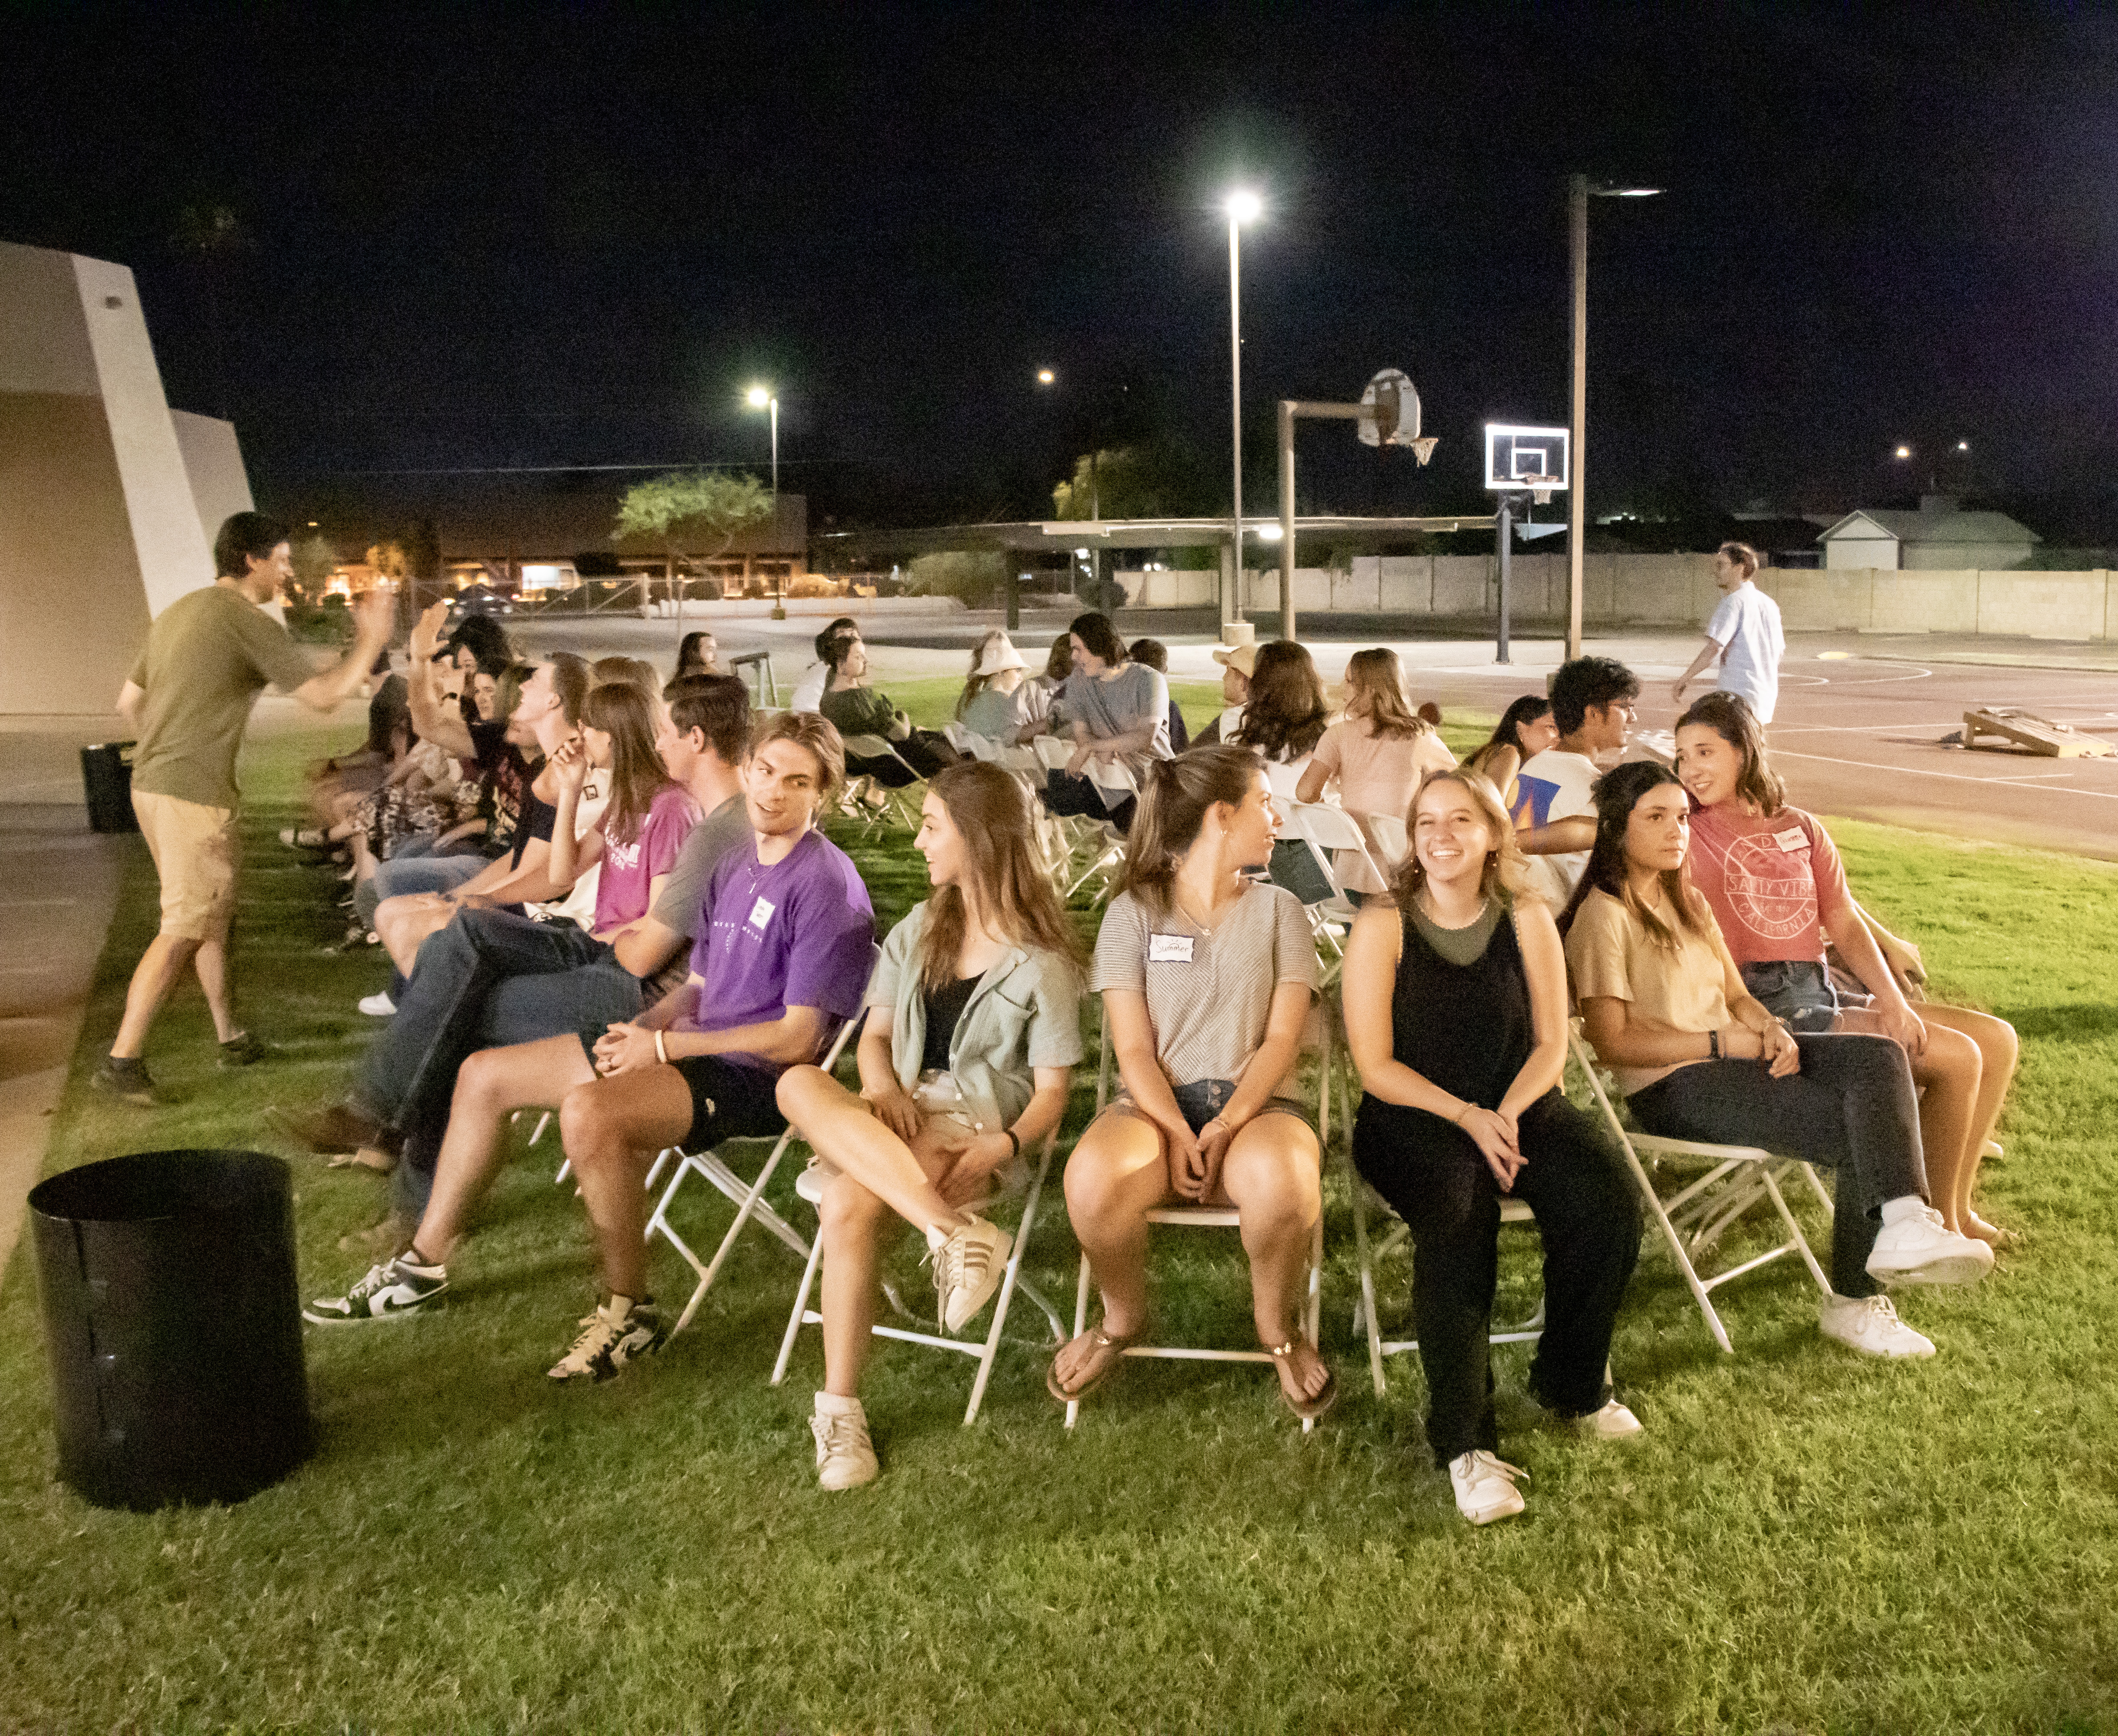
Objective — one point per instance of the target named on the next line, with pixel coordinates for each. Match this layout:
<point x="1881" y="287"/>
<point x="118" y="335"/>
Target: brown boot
<point x="341" y="1127"/>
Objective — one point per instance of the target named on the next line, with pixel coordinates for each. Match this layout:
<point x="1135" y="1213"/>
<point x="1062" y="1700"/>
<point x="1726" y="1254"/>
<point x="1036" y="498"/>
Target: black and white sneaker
<point x="390" y="1291"/>
<point x="618" y="1332"/>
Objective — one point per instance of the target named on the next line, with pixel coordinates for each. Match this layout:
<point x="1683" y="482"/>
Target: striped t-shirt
<point x="1209" y="991"/>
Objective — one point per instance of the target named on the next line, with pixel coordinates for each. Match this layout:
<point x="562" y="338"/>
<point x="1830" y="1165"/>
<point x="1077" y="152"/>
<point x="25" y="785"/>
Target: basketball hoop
<point x="1422" y="449"/>
<point x="1542" y="497"/>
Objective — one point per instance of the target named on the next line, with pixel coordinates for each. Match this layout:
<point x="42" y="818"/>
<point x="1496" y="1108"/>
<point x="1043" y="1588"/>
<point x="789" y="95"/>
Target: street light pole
<point x="1577" y="516"/>
<point x="1242" y="207"/>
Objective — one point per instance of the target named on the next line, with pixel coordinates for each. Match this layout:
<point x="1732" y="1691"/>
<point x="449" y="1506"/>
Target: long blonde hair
<point x="1378" y="676"/>
<point x="1015" y="896"/>
<point x="1506" y="870"/>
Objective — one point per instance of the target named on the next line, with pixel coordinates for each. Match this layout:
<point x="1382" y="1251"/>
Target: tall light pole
<point x="1242" y="207"/>
<point x="1578" y="188"/>
<point x="763" y="397"/>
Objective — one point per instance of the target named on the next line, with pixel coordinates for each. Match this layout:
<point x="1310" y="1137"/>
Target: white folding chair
<point x="1219" y="1217"/>
<point x="1094" y="847"/>
<point x="1392" y="841"/>
<point x="1694" y="1218"/>
<point x="810" y="1185"/>
<point x="1327" y="830"/>
<point x="898" y="800"/>
<point x="748" y="1197"/>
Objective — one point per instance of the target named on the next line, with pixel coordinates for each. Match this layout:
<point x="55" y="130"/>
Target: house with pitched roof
<point x="1941" y="537"/>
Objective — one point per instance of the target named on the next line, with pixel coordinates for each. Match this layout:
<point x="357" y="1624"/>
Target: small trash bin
<point x="106" y="775"/>
<point x="174" y="1326"/>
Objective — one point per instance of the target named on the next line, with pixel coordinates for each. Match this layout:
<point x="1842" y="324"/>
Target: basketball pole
<point x="1507" y="529"/>
<point x="1232" y="604"/>
<point x="1577" y="223"/>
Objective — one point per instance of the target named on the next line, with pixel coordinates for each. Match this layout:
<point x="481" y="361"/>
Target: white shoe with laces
<point x="378" y="1005"/>
<point x="845" y="1457"/>
<point x="1870" y="1325"/>
<point x="1919" y="1248"/>
<point x="1485" y="1485"/>
<point x="968" y="1266"/>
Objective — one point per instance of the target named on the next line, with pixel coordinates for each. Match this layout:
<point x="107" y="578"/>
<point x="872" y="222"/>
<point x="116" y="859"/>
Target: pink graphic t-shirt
<point x="1772" y="881"/>
<point x="630" y="868"/>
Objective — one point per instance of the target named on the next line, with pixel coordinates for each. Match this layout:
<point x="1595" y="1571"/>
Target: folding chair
<point x="1326" y="830"/>
<point x="759" y="663"/>
<point x="1093" y="847"/>
<point x="748" y="1197"/>
<point x="1692" y="1219"/>
<point x="810" y="1185"/>
<point x="877" y="751"/>
<point x="1218" y="1217"/>
<point x="1392" y="842"/>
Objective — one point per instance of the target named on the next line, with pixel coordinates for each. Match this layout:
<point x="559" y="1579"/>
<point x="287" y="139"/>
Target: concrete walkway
<point x="58" y="890"/>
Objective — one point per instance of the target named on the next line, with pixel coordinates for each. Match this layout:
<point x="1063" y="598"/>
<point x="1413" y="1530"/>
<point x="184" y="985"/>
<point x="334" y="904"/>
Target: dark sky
<point x="570" y="235"/>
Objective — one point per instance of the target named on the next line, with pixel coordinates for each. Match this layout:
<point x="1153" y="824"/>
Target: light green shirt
<point x="1025" y="1013"/>
<point x="209" y="656"/>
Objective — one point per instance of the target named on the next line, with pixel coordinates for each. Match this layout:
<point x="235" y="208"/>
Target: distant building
<point x="109" y="500"/>
<point x="1939" y="537"/>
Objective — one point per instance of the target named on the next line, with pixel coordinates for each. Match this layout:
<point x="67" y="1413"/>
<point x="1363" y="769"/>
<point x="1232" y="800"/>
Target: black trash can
<point x="174" y="1326"/>
<point x="106" y="775"/>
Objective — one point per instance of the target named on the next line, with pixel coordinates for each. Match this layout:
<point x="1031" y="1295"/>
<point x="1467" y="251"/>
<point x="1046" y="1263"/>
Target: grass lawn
<point x="1802" y="1540"/>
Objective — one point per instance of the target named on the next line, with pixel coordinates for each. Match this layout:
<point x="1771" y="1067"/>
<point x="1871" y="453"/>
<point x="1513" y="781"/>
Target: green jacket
<point x="1025" y="1013"/>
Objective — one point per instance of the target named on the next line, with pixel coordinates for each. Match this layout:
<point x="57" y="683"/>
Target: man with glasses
<point x="1592" y="708"/>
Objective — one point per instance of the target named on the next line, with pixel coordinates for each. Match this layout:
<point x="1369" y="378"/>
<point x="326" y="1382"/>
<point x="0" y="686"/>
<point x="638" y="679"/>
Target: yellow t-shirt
<point x="1610" y="955"/>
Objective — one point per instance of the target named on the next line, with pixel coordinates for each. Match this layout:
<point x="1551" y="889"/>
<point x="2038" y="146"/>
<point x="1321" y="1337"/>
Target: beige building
<point x="108" y="499"/>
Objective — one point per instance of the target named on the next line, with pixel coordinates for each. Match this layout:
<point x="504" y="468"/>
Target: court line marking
<point x="1954" y="777"/>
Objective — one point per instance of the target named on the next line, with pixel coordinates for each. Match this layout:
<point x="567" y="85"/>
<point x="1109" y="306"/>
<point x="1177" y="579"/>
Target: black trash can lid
<point x="148" y="1185"/>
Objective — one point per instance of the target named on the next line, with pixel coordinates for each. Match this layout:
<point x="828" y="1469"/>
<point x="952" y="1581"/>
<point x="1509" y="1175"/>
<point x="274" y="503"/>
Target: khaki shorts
<point x="195" y="854"/>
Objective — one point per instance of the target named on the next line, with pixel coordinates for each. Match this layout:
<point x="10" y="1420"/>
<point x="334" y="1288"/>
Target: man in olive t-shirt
<point x="208" y="655"/>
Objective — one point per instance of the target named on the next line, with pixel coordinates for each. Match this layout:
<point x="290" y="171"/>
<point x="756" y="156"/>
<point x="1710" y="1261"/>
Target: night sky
<point x="570" y="236"/>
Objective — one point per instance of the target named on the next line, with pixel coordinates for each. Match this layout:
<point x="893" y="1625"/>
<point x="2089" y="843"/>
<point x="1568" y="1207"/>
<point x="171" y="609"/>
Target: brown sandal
<point x="1327" y="1394"/>
<point x="1103" y="1341"/>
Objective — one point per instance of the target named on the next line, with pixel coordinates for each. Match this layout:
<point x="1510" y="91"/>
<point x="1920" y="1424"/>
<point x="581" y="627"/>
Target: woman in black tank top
<point x="1466" y="976"/>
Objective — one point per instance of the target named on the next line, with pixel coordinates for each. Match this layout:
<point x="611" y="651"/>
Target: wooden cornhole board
<point x="2020" y="730"/>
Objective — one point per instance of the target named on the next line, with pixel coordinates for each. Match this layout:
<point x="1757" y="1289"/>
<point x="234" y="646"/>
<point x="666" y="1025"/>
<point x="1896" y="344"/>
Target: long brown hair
<point x="1380" y="675"/>
<point x="1014" y="894"/>
<point x="637" y="775"/>
<point x="1506" y="867"/>
<point x="1172" y="807"/>
<point x="1617" y="793"/>
<point x="1285" y="715"/>
<point x="975" y="683"/>
<point x="1729" y="716"/>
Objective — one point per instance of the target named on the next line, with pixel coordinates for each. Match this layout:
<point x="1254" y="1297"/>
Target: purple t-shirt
<point x="798" y="933"/>
<point x="629" y="869"/>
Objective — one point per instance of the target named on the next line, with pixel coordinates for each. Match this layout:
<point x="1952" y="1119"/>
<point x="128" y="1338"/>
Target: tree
<point x="313" y="559"/>
<point x="697" y="514"/>
<point x="1151" y="480"/>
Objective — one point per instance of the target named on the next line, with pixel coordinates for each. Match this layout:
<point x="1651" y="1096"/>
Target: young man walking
<point x="209" y="656"/>
<point x="1744" y="635"/>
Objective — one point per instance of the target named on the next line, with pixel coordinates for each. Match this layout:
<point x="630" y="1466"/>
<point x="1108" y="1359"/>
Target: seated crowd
<point x="615" y="903"/>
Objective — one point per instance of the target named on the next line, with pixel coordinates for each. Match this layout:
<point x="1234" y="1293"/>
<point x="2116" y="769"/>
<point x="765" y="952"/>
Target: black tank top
<point x="1465" y="1027"/>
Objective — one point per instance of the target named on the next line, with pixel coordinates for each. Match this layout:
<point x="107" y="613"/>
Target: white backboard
<point x="1527" y="457"/>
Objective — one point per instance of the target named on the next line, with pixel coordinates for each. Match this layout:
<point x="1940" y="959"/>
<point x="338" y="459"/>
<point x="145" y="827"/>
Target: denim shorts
<point x="1203" y="1099"/>
<point x="1801" y="992"/>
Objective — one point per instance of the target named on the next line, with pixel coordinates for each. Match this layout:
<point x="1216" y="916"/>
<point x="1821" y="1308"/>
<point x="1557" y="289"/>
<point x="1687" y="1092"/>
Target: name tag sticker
<point x="760" y="913"/>
<point x="1794" y="839"/>
<point x="1169" y="949"/>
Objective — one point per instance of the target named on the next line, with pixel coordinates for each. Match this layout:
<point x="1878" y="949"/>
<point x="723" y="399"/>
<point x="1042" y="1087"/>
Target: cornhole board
<point x="2020" y="730"/>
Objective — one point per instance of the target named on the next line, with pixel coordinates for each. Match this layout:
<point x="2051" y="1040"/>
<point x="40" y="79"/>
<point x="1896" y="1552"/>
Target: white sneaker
<point x="1919" y="1250"/>
<point x="845" y="1457"/>
<point x="378" y="1005"/>
<point x="1485" y="1485"/>
<point x="967" y="1269"/>
<point x="1613" y="1422"/>
<point x="1870" y="1325"/>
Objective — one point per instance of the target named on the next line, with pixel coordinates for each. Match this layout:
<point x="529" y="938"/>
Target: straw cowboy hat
<point x="1242" y="659"/>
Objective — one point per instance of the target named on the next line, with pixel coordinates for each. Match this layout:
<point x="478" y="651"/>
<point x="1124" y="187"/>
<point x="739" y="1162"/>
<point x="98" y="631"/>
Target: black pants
<point x="1064" y="794"/>
<point x="1851" y="1106"/>
<point x="1434" y="1177"/>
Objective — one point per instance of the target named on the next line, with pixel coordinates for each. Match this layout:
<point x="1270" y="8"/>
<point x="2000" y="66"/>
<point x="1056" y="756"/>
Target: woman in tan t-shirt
<point x="1701" y="1058"/>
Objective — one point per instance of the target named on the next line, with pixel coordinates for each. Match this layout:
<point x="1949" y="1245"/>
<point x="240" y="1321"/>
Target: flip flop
<point x="1103" y="1341"/>
<point x="1326" y="1395"/>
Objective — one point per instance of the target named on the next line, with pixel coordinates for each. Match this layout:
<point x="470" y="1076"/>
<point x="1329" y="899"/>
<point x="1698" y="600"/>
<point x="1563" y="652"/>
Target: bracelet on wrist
<point x="661" y="1051"/>
<point x="1013" y="1141"/>
<point x="1713" y="1045"/>
<point x="1457" y="1119"/>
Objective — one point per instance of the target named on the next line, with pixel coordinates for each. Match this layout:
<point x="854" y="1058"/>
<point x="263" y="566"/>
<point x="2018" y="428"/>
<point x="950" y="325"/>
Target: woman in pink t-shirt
<point x="636" y="840"/>
<point x="1378" y="753"/>
<point x="1773" y="878"/>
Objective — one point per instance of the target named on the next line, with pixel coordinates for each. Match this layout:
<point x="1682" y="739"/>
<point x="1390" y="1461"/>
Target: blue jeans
<point x="1801" y="992"/>
<point x="401" y="875"/>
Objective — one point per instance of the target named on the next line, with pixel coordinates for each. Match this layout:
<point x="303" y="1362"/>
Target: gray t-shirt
<point x="1132" y="696"/>
<point x="1209" y="991"/>
<point x="682" y="907"/>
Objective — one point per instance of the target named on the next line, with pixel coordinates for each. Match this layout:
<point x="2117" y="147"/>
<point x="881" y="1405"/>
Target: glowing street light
<point x="1045" y="376"/>
<point x="1242" y="207"/>
<point x="762" y="397"/>
<point x="1904" y="451"/>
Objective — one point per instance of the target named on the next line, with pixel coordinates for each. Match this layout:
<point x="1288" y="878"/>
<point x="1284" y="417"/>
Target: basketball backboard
<point x="1535" y="458"/>
<point x="1395" y="407"/>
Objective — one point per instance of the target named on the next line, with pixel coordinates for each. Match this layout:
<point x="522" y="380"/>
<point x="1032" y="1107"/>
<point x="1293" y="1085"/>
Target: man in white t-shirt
<point x="809" y="690"/>
<point x="1592" y="709"/>
<point x="1744" y="634"/>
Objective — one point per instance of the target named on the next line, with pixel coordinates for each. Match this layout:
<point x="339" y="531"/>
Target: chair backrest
<point x="872" y="748"/>
<point x="1391" y="840"/>
<point x="1052" y="753"/>
<point x="1112" y="774"/>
